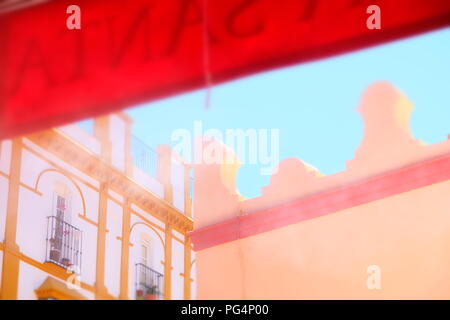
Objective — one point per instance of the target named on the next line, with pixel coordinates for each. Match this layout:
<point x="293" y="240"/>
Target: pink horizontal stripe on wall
<point x="378" y="187"/>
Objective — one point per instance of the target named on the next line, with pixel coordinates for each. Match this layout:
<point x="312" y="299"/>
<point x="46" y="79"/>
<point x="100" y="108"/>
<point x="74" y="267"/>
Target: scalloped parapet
<point x="292" y="178"/>
<point x="216" y="197"/>
<point x="387" y="141"/>
<point x="322" y="235"/>
<point x="387" y="144"/>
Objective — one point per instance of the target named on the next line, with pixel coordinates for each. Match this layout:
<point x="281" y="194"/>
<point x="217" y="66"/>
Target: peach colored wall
<point x="407" y="236"/>
<point x="326" y="252"/>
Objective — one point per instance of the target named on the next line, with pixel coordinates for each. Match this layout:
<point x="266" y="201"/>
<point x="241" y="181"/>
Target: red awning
<point x="129" y="52"/>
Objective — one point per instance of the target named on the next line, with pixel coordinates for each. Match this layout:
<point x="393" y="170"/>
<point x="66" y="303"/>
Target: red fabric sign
<point x="129" y="52"/>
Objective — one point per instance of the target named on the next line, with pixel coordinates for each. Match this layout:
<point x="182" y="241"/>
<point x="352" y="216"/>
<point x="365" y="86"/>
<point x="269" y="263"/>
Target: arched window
<point x="145" y="253"/>
<point x="149" y="281"/>
<point x="62" y="202"/>
<point x="64" y="240"/>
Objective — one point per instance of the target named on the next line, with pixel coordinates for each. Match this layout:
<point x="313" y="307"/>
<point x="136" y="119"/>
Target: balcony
<point x="148" y="283"/>
<point x="144" y="157"/>
<point x="63" y="244"/>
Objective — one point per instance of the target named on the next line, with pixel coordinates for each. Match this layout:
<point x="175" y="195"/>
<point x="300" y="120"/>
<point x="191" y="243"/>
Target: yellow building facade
<point x="94" y="214"/>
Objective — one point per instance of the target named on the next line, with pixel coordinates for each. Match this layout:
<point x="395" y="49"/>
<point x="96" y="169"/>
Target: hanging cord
<point x="206" y="56"/>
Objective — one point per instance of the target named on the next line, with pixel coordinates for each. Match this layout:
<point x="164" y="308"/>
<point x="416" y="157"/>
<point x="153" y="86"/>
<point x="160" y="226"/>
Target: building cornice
<point x="79" y="157"/>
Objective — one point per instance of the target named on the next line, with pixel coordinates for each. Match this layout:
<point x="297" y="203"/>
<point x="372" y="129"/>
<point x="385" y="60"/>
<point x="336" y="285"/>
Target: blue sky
<point x="313" y="105"/>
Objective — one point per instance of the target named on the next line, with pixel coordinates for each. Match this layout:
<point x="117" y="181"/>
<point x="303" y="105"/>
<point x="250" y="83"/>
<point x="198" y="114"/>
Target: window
<point x="149" y="281"/>
<point x="144" y="260"/>
<point x="63" y="239"/>
<point x="145" y="254"/>
<point x="58" y="231"/>
<point x="60" y="208"/>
